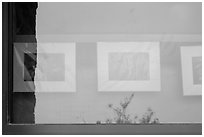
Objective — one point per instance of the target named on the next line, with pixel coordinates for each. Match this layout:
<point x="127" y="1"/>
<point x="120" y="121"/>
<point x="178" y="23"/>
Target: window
<point x="52" y="68"/>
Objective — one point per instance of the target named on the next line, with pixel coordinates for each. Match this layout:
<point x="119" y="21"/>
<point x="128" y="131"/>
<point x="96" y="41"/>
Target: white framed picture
<point x="128" y="66"/>
<point x="54" y="67"/>
<point x="191" y="62"/>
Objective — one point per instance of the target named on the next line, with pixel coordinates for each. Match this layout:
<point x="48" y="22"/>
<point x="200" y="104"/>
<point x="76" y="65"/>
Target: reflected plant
<point x="148" y="117"/>
<point x="121" y="117"/>
<point x="109" y="121"/>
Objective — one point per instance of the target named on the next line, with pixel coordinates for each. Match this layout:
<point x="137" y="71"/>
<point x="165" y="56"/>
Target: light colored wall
<point x="130" y="19"/>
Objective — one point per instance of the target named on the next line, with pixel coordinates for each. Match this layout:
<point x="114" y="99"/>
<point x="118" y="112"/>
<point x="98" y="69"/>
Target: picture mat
<point x="187" y="53"/>
<point x="51" y="66"/>
<point x="105" y="84"/>
<point x="66" y="49"/>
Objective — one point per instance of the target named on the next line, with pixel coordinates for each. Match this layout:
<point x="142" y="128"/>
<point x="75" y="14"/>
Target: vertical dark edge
<point x="7" y="64"/>
<point x="10" y="62"/>
<point x="24" y="17"/>
<point x="4" y="66"/>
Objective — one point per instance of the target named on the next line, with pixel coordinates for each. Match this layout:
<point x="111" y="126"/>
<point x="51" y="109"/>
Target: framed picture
<point x="191" y="61"/>
<point x="128" y="66"/>
<point x="44" y="67"/>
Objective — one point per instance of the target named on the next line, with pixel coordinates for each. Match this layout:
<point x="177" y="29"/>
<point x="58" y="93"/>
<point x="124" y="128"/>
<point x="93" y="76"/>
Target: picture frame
<point x="55" y="67"/>
<point x="143" y="57"/>
<point x="191" y="62"/>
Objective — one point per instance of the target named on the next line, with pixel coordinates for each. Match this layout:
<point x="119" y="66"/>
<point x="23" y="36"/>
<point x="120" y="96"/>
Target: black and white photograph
<point x="102" y="68"/>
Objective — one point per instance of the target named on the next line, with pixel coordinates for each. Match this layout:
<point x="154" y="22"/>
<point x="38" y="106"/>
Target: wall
<point x="173" y="24"/>
<point x="128" y="18"/>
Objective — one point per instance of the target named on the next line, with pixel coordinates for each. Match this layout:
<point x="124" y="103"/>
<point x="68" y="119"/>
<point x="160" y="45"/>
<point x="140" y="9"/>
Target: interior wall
<point x="127" y="18"/>
<point x="87" y="105"/>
